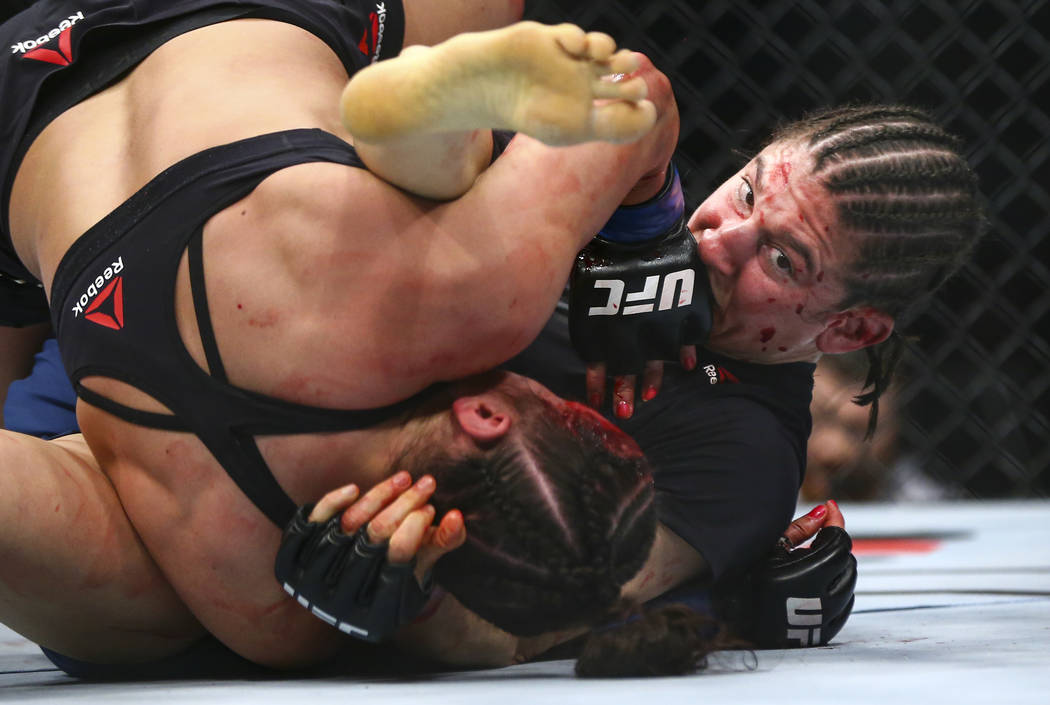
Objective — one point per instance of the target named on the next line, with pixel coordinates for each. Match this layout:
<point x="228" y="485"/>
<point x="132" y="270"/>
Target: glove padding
<point x="794" y="598"/>
<point x="345" y="580"/>
<point x="633" y="303"/>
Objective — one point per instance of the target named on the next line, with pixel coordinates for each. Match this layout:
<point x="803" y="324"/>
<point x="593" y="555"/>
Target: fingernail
<point x="833" y="503"/>
<point x="425" y="483"/>
<point x="402" y="480"/>
<point x="623" y="410"/>
<point x="689" y="362"/>
<point x="596" y="400"/>
<point x="649" y="394"/>
<point x="818" y="512"/>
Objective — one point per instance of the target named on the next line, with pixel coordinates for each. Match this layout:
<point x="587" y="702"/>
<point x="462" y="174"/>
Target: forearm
<point x="671" y="562"/>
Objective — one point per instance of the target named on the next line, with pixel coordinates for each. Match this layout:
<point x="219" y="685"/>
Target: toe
<point x="624" y="61"/>
<point x="600" y="46"/>
<point x="623" y="121"/>
<point x="571" y="38"/>
<point x="635" y="89"/>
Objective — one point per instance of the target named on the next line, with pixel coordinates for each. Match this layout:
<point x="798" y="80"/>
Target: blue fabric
<point x="44" y="403"/>
<point x="207" y="658"/>
<point x="633" y="225"/>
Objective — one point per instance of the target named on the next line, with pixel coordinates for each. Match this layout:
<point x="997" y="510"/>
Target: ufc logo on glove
<point x="677" y="290"/>
<point x="804" y="612"/>
<point x="639" y="291"/>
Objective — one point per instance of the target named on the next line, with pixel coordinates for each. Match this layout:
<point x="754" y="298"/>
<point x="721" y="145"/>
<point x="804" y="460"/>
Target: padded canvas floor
<point x="953" y="606"/>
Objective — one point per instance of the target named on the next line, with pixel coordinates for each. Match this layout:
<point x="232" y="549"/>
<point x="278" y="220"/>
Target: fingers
<point x="834" y="517"/>
<point x="623" y="396"/>
<point x="652" y="378"/>
<point x="409" y="535"/>
<point x="382" y="527"/>
<point x="595" y="378"/>
<point x="687" y="357"/>
<point x="806" y="527"/>
<point x="333" y="503"/>
<point x="362" y="511"/>
<point x="397" y="511"/>
<point x="446" y="536"/>
<point x="623" y="387"/>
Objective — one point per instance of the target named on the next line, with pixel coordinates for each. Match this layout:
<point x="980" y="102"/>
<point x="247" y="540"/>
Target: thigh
<point x="74" y="576"/>
<point x="432" y="21"/>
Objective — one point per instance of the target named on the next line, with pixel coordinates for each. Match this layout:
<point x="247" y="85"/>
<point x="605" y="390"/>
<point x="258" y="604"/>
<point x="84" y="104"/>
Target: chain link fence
<point x="972" y="402"/>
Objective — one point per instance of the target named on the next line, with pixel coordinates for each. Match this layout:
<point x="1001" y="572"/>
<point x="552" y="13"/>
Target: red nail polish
<point x="649" y="394"/>
<point x="689" y="363"/>
<point x="623" y="410"/>
<point x="818" y="512"/>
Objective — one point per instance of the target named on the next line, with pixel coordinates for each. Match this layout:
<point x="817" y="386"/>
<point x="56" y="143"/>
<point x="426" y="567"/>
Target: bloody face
<point x="769" y="239"/>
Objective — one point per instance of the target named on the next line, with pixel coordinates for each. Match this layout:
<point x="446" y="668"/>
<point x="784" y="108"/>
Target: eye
<point x="779" y="260"/>
<point x="745" y="194"/>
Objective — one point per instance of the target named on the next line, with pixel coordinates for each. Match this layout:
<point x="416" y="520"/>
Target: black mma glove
<point x="639" y="290"/>
<point x="345" y="580"/>
<point x="794" y="598"/>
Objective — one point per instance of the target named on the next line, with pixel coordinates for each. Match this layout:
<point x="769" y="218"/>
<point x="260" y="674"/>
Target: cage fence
<point x="971" y="402"/>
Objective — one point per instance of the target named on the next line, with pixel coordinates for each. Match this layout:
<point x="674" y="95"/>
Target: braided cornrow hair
<point x="558" y="518"/>
<point x="908" y="200"/>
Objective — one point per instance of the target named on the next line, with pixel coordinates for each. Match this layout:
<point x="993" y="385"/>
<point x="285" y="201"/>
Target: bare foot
<point x="550" y="82"/>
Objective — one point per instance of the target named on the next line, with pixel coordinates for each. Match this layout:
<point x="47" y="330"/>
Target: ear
<point x="855" y="329"/>
<point x="484" y="417"/>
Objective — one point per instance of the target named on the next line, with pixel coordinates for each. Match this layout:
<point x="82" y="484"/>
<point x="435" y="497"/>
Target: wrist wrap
<point x="641" y="223"/>
<point x="345" y="580"/>
<point x="639" y="290"/>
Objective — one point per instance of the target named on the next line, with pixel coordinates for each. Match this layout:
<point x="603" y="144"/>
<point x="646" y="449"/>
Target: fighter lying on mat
<point x="259" y="626"/>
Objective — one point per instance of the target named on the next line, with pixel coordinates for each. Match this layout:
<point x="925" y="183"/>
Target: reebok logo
<point x="103" y="302"/>
<point x="372" y="40"/>
<point x="31" y="48"/>
<point x="719" y="374"/>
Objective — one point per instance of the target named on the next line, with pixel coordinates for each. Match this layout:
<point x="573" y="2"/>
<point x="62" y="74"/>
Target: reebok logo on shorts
<point x="63" y="55"/>
<point x="372" y="40"/>
<point x="103" y="302"/>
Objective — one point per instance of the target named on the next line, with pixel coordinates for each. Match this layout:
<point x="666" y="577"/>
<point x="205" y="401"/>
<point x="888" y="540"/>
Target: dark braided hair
<point x="558" y="518"/>
<point x="908" y="200"/>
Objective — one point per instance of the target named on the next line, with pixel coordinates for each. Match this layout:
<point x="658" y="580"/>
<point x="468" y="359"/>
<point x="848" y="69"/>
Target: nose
<point x="724" y="249"/>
